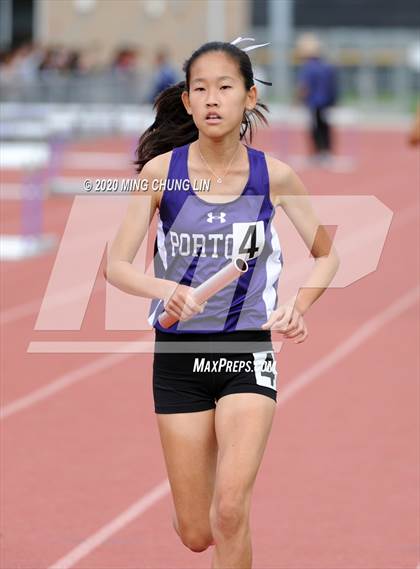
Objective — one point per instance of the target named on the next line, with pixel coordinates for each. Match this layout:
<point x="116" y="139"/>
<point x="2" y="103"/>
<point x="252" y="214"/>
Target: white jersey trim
<point x="163" y="256"/>
<point x="273" y="266"/>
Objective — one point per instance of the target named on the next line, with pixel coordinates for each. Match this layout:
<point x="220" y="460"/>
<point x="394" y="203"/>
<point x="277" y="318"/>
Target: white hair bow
<point x="250" y="48"/>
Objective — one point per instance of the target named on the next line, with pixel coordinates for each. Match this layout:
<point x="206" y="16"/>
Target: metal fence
<point x="364" y="83"/>
<point x="101" y="87"/>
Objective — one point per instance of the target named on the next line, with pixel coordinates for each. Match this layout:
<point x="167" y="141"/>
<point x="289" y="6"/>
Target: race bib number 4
<point x="248" y="239"/>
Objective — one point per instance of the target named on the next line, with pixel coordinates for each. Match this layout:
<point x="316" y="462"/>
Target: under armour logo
<point x="221" y="217"/>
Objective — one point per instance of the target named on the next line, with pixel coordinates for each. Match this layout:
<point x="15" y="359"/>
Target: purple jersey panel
<point x="196" y="238"/>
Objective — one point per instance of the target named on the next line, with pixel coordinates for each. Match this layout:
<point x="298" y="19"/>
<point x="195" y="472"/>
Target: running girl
<point x="214" y="424"/>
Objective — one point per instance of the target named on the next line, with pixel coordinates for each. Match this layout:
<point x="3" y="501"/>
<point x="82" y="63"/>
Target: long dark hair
<point x="174" y="127"/>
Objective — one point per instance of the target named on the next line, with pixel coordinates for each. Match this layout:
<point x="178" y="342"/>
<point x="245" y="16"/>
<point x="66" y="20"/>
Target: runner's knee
<point x="228" y="516"/>
<point x="195" y="540"/>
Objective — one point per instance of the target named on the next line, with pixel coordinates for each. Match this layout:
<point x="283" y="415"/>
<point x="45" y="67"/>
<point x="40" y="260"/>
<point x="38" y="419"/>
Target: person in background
<point x="414" y="134"/>
<point x="165" y="74"/>
<point x="125" y="61"/>
<point x="318" y="90"/>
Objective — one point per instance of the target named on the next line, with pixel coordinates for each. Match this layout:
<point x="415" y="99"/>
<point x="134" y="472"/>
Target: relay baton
<point x="210" y="287"/>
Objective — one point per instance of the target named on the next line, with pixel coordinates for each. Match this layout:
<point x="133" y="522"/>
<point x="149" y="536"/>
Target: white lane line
<point x="32" y="307"/>
<point x="106" y="531"/>
<point x="406" y="301"/>
<point x="341" y="351"/>
<point x="26" y="309"/>
<point x="61" y="383"/>
<point x="20" y="311"/>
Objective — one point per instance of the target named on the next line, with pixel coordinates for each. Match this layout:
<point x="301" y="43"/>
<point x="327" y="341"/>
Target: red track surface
<point x="338" y="488"/>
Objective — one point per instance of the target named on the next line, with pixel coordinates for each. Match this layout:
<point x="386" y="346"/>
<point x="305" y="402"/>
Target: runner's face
<point x="216" y="86"/>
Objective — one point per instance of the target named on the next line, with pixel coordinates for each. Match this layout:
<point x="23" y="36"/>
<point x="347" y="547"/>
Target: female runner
<point x="215" y="401"/>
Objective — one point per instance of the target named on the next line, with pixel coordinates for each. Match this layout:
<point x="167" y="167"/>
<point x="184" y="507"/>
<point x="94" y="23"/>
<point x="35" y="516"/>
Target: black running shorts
<point x="191" y="371"/>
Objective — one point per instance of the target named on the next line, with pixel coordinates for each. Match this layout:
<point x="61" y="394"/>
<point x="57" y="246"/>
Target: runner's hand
<point x="289" y="321"/>
<point x="180" y="303"/>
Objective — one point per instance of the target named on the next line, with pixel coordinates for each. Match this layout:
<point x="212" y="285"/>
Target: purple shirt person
<point x="318" y="90"/>
<point x="165" y="75"/>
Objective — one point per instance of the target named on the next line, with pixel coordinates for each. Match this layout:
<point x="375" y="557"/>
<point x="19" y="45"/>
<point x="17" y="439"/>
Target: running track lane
<point x="332" y="482"/>
<point x="88" y="457"/>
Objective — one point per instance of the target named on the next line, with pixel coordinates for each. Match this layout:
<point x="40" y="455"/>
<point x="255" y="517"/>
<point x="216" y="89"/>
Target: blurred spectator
<point x="73" y="61"/>
<point x="165" y="74"/>
<point x="51" y="60"/>
<point x="125" y="60"/>
<point x="90" y="59"/>
<point x="60" y="58"/>
<point x="126" y="76"/>
<point x="414" y="135"/>
<point x="318" y="90"/>
<point x="60" y="73"/>
<point x="7" y="68"/>
<point x="26" y="62"/>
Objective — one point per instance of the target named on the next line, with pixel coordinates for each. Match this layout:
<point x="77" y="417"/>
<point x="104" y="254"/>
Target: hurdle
<point x="38" y="159"/>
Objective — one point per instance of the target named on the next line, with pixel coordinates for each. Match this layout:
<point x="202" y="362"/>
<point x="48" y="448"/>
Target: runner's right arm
<point x="120" y="271"/>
